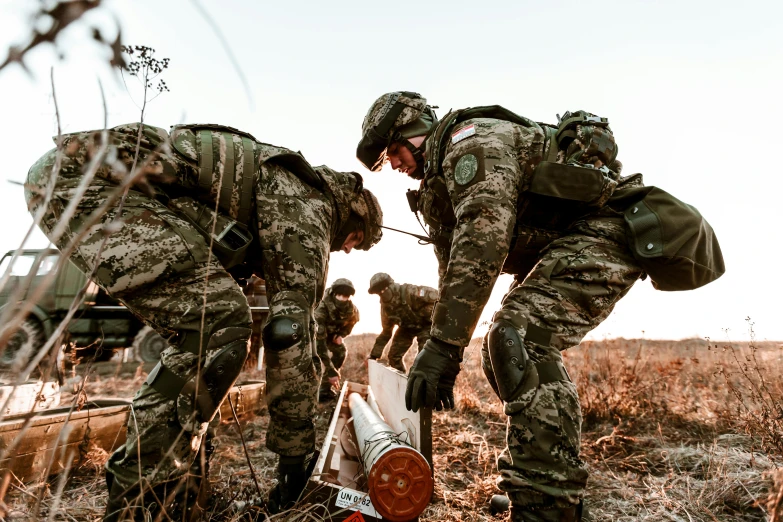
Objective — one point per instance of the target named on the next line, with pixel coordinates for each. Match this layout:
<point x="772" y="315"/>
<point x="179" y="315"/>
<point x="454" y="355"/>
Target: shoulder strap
<point x="248" y="171"/>
<point x="207" y="163"/>
<point x="437" y="143"/>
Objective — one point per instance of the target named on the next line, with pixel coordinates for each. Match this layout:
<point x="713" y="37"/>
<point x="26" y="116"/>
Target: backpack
<point x="670" y="239"/>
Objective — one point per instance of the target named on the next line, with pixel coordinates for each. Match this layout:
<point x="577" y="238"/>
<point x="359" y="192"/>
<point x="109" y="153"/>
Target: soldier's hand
<point x="334" y="382"/>
<point x="338" y="339"/>
<point x="432" y="376"/>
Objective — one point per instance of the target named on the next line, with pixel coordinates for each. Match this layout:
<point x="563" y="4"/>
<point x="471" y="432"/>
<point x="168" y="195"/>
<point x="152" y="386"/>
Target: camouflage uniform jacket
<point x="408" y="306"/>
<point x="297" y="212"/>
<point x="334" y="318"/>
<point x="473" y="199"/>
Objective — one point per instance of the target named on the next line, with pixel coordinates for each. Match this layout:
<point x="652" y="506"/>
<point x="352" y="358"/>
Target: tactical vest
<point x="670" y="239"/>
<point x="228" y="161"/>
<point x="233" y="168"/>
<point x="558" y="193"/>
<point x="413" y="304"/>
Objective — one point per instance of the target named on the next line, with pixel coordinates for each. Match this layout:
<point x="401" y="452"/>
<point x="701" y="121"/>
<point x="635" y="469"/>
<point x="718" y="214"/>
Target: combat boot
<point x="499" y="504"/>
<point x="327" y="394"/>
<point x="127" y="504"/>
<point x="292" y="476"/>
<point x="553" y="514"/>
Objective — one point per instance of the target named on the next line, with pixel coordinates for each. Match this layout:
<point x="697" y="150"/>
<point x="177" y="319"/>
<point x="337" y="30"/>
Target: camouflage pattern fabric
<point x="579" y="272"/>
<point x="414" y="105"/>
<point x="158" y="265"/>
<point x="409" y="307"/>
<point x="335" y="318"/>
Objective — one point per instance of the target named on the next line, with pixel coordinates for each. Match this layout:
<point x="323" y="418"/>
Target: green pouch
<point x="584" y="185"/>
<point x="671" y="240"/>
<point x="231" y="238"/>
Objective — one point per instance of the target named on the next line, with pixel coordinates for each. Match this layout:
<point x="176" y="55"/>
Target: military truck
<point x="100" y="325"/>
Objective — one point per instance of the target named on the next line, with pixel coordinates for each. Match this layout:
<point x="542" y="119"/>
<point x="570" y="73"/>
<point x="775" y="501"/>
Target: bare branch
<point x="211" y="22"/>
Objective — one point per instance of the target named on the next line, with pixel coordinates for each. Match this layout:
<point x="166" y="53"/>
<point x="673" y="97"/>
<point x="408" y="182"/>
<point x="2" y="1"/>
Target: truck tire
<point x="25" y="343"/>
<point x="148" y="345"/>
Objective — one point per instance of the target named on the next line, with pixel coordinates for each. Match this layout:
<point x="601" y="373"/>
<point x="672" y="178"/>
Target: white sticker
<point x="465" y="132"/>
<point x="352" y="499"/>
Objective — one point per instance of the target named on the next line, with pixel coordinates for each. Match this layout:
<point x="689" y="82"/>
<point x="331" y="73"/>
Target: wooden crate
<point x="338" y="483"/>
<point x="48" y="439"/>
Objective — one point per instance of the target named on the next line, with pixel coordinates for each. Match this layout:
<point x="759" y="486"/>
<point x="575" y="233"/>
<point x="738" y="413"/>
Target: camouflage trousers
<point x="573" y="287"/>
<point x="338" y="353"/>
<point x="159" y="266"/>
<point x="402" y="341"/>
<point x="292" y="378"/>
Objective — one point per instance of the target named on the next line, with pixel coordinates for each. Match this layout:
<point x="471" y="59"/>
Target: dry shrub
<point x="752" y="375"/>
<point x="774" y="503"/>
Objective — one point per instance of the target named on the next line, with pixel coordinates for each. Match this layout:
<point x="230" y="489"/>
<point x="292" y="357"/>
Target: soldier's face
<point x="401" y="158"/>
<point x="354" y="239"/>
<point x="341" y="297"/>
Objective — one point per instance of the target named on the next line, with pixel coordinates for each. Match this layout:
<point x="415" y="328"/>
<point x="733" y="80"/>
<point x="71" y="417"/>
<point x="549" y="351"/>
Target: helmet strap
<point x="416" y="152"/>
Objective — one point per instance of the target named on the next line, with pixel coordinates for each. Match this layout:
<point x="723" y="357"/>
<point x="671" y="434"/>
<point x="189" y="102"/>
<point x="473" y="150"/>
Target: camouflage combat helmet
<point x="358" y="208"/>
<point x="342" y="286"/>
<point x="379" y="282"/>
<point x="394" y="117"/>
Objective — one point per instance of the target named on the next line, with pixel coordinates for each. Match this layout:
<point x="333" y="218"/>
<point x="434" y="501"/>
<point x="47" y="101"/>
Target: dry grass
<point x="678" y="431"/>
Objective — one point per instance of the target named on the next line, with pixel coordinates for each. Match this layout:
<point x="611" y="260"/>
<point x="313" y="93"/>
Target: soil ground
<point x="681" y="431"/>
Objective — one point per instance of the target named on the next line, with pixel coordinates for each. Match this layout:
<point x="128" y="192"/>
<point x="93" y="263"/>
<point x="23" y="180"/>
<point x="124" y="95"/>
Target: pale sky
<point x="691" y="90"/>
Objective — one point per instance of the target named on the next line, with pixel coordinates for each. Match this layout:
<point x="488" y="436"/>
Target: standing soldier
<point x="336" y="317"/>
<point x="500" y="192"/>
<point x="409" y="307"/>
<point x="220" y="200"/>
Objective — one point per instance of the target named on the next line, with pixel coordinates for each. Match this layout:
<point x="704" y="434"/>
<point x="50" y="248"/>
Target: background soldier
<point x="409" y="307"/>
<point x="336" y="317"/>
<point x="156" y="259"/>
<point x="563" y="232"/>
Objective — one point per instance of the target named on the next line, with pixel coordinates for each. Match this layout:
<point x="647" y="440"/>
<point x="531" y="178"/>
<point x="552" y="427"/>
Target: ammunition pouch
<point x="586" y="186"/>
<point x="230" y="240"/>
<point x="199" y="398"/>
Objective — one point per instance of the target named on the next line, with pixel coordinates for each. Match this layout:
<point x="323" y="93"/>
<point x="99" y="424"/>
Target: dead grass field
<point x="673" y="431"/>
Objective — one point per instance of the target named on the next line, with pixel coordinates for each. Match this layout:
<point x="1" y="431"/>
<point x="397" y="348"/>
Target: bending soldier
<point x="545" y="203"/>
<point x="336" y="317"/>
<point x="409" y="308"/>
<point x="277" y="217"/>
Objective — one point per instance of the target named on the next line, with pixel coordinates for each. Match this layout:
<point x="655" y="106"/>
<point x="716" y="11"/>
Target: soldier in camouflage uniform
<point x="409" y="308"/>
<point x="196" y="188"/>
<point x="567" y="249"/>
<point x="336" y="317"/>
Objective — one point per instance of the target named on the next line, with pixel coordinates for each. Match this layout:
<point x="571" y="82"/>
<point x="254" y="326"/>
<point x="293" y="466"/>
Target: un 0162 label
<point x="351" y="499"/>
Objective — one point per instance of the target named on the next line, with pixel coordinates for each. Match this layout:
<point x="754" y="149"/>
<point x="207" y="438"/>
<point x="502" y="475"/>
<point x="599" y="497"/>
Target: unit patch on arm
<point x="465" y="169"/>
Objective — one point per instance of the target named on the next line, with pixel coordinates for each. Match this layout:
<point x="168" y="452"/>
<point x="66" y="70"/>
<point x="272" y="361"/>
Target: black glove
<point x="431" y="378"/>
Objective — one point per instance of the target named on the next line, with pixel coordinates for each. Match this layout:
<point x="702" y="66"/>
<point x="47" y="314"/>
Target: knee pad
<point x="509" y="358"/>
<point x="282" y="332"/>
<point x="204" y="393"/>
<point x="486" y="366"/>
<point x="290" y="350"/>
<point x="199" y="398"/>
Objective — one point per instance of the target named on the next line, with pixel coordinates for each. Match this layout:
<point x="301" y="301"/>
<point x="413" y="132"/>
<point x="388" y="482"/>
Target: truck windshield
<point x="47" y="265"/>
<point x="21" y="267"/>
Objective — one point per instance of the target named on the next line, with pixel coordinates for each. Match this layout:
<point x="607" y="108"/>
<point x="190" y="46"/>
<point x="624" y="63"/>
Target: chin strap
<point x="416" y="152"/>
